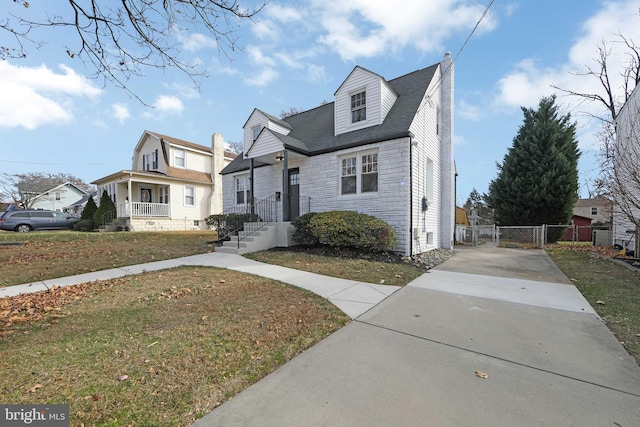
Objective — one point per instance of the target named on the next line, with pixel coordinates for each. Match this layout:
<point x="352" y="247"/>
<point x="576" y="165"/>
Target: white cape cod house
<point x="172" y="184"/>
<point x="383" y="148"/>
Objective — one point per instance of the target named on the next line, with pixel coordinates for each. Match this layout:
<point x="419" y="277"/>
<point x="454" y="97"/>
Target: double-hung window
<point x="242" y="189"/>
<point x="189" y="195"/>
<point x="154" y="159"/>
<point x="256" y="131"/>
<point x="359" y="173"/>
<point x="358" y="107"/>
<point x="179" y="158"/>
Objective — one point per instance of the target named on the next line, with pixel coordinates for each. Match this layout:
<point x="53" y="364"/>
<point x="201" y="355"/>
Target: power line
<point x="453" y="61"/>
<point x="60" y="164"/>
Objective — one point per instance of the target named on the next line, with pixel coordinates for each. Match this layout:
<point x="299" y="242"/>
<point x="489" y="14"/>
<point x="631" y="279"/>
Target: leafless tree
<point x="611" y="99"/>
<point x="619" y="155"/>
<point x="120" y="38"/>
<point x="22" y="189"/>
<point x="291" y="112"/>
<point x="234" y="146"/>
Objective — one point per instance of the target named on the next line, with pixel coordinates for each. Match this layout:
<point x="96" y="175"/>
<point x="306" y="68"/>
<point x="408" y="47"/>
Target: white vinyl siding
<point x="259" y="120"/>
<point x="268" y="144"/>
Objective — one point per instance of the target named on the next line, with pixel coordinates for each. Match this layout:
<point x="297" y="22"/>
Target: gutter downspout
<point x="410" y="195"/>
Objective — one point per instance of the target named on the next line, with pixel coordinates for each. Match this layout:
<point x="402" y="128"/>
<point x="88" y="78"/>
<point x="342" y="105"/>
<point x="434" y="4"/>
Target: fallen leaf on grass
<point x="600" y="302"/>
<point x="482" y="375"/>
<point x="35" y="388"/>
<point x="123" y="377"/>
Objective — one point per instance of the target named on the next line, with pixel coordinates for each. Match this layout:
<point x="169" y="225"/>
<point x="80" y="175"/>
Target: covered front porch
<point x="142" y="209"/>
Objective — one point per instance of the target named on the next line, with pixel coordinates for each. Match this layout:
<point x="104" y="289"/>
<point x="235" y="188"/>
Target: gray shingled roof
<point x="312" y="130"/>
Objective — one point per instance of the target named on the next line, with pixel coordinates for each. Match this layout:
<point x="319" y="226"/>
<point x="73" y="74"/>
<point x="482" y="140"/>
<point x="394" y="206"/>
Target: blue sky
<point x="54" y="117"/>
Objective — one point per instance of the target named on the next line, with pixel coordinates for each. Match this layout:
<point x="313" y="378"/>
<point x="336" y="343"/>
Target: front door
<point x="145" y="195"/>
<point x="294" y="193"/>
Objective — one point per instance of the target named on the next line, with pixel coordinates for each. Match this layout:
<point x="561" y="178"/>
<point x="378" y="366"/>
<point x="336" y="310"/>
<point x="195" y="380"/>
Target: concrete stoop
<point x="262" y="239"/>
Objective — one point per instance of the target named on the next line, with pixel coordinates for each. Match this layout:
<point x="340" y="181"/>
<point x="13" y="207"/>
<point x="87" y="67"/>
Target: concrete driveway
<point x="419" y="357"/>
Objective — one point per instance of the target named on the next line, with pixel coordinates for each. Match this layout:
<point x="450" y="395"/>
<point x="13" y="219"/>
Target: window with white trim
<point x="189" y="195"/>
<point x="359" y="173"/>
<point x="594" y="210"/>
<point x="256" y="131"/>
<point x="242" y="189"/>
<point x="154" y="159"/>
<point x="359" y="107"/>
<point x="57" y="195"/>
<point x="179" y="158"/>
<point x="164" y="194"/>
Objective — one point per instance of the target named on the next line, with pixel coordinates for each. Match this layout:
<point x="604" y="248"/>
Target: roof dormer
<point x="361" y="101"/>
<point x="259" y="120"/>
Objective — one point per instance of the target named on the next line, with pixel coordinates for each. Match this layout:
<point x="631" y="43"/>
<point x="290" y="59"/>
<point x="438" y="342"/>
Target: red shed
<point x="582" y="227"/>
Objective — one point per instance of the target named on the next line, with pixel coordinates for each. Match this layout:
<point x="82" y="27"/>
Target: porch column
<point x="252" y="200"/>
<point x="130" y="213"/>
<point x="285" y="187"/>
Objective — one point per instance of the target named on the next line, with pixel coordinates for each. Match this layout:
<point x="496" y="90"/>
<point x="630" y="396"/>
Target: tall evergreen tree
<point x="537" y="182"/>
<point x="106" y="206"/>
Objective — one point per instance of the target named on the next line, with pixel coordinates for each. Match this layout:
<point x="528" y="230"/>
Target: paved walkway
<point x="412" y="355"/>
<point x="352" y="297"/>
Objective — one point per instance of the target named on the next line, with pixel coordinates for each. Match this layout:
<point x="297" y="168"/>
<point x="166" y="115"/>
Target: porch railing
<point x="241" y="221"/>
<point x="144" y="209"/>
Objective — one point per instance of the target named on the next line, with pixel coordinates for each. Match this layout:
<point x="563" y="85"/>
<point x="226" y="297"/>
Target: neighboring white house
<point x="172" y="185"/>
<point x="63" y="198"/>
<point x="599" y="209"/>
<point x="383" y="148"/>
<point x="627" y="173"/>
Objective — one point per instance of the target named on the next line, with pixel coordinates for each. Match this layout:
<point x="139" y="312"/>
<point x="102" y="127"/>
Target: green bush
<point x="84" y="225"/>
<point x="354" y="230"/>
<point x="231" y="223"/>
<point x="302" y="233"/>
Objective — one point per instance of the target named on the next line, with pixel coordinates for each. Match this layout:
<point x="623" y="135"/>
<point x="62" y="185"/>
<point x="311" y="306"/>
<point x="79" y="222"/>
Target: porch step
<point x="256" y="241"/>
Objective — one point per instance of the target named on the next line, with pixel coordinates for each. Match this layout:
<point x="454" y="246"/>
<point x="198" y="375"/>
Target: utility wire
<point x="453" y="61"/>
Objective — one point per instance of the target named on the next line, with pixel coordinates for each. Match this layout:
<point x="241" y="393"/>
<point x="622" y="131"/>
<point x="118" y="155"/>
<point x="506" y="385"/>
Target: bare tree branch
<point x="121" y="38"/>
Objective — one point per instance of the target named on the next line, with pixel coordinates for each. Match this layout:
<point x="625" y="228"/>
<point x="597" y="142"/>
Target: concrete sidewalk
<point x="352" y="297"/>
<point x="412" y="359"/>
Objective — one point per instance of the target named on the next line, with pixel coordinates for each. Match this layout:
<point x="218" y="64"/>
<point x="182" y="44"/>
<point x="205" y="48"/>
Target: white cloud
<point x="166" y="104"/>
<point x="284" y="14"/>
<point x="468" y="111"/>
<point x="528" y="82"/>
<point x="365" y="28"/>
<point x="120" y="112"/>
<point x="196" y="41"/>
<point x="266" y="72"/>
<point x="262" y="78"/>
<point x="36" y="96"/>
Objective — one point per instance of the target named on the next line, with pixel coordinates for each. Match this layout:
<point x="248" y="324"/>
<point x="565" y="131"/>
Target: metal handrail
<point x="243" y="220"/>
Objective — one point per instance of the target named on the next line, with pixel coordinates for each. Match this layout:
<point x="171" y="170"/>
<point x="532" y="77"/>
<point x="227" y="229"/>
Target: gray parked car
<point x="24" y="220"/>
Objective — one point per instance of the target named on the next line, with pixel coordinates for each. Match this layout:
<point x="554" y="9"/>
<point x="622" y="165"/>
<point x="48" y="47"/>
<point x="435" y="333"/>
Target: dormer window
<point x="179" y="158"/>
<point x="256" y="131"/>
<point x="358" y="107"/>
